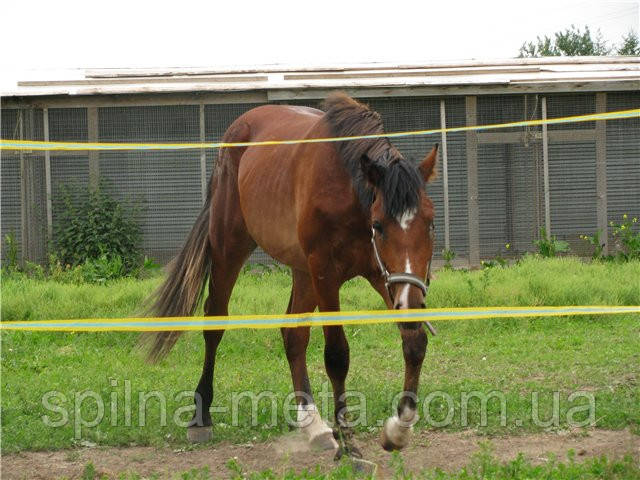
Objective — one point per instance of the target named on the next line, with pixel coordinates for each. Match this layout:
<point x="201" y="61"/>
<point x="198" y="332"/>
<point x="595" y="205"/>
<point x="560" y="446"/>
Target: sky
<point x="44" y="35"/>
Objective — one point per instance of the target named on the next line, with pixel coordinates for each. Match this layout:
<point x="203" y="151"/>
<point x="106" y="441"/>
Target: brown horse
<point x="330" y="211"/>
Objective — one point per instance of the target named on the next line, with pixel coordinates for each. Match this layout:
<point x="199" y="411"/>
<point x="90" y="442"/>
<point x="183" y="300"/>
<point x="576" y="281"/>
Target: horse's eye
<point x="377" y="226"/>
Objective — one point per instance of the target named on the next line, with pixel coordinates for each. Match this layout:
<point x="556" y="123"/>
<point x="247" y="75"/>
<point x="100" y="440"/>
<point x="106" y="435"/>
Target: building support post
<point x="203" y="157"/>
<point x="472" y="182"/>
<point x="545" y="171"/>
<point x="601" y="171"/>
<point x="24" y="196"/>
<point x="47" y="175"/>
<point x="445" y="175"/>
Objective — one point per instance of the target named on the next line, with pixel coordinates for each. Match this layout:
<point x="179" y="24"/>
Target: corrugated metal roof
<point x="623" y="71"/>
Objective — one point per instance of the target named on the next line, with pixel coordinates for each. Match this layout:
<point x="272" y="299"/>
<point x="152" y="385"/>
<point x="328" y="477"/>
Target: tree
<point x="571" y="42"/>
<point x="630" y="44"/>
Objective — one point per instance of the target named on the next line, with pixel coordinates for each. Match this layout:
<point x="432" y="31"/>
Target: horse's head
<point x="402" y="228"/>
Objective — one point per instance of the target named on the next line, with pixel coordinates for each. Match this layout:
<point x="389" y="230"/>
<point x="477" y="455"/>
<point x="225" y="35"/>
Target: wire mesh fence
<point x="495" y="190"/>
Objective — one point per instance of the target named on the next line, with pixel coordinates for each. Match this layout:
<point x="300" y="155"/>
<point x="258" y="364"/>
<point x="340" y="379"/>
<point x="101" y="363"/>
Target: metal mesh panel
<point x="10" y="182"/>
<point x="68" y="174"/>
<point x="457" y="171"/>
<point x="494" y="185"/>
<point x="67" y="125"/>
<point x="572" y="185"/>
<point x="69" y="170"/>
<point x="165" y="185"/>
<point x="36" y="207"/>
<point x="565" y="105"/>
<point x="35" y="189"/>
<point x="572" y="175"/>
<point x="508" y="176"/>
<point x="623" y="159"/>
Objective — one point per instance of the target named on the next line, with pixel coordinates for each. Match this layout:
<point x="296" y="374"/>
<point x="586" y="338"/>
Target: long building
<point x="495" y="187"/>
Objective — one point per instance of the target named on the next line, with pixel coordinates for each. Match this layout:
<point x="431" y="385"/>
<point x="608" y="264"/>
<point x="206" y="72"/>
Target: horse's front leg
<point x="296" y="341"/>
<point x="397" y="429"/>
<point x="326" y="284"/>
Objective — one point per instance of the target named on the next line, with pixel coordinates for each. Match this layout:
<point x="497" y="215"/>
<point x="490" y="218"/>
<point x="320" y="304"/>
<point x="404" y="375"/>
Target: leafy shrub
<point x="627" y="241"/>
<point x="597" y="244"/>
<point x="448" y="255"/>
<point x="550" y="247"/>
<point x="11" y="255"/>
<point x="148" y="268"/>
<point x="98" y="270"/>
<point x="99" y="233"/>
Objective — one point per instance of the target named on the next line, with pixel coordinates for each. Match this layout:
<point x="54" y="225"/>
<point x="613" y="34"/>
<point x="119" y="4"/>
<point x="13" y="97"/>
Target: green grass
<point x="599" y="355"/>
<point x="483" y="467"/>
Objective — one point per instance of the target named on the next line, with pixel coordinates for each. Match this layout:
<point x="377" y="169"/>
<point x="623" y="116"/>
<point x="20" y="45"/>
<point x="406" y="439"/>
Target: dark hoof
<point x="344" y="437"/>
<point x="199" y="434"/>
<point x="387" y="444"/>
<point x="351" y="452"/>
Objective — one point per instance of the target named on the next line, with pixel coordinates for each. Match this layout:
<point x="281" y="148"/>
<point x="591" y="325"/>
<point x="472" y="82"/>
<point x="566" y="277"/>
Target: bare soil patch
<point x="428" y="450"/>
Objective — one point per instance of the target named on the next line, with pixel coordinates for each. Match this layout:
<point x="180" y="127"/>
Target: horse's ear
<point x="373" y="171"/>
<point x="428" y="165"/>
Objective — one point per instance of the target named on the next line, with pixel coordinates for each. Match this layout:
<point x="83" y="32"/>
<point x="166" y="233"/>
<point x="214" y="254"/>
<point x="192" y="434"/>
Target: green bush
<point x="11" y="252"/>
<point x="549" y="248"/>
<point x="627" y="241"/>
<point x="448" y="255"/>
<point x="596" y="242"/>
<point x="99" y="233"/>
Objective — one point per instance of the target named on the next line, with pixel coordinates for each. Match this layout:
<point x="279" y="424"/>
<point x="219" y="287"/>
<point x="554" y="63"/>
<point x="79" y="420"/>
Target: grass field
<point x="596" y="355"/>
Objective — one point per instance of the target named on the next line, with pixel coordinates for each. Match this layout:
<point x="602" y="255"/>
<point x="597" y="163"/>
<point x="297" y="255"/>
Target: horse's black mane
<point x="401" y="183"/>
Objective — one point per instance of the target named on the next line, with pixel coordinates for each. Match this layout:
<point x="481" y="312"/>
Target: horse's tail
<point x="182" y="290"/>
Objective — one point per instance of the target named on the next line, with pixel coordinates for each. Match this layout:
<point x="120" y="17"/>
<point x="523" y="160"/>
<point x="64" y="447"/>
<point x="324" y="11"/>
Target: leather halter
<point x="404" y="277"/>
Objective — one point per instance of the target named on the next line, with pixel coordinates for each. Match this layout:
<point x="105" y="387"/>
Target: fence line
<point x="312" y="319"/>
<point x="492" y="183"/>
<point x="72" y="146"/>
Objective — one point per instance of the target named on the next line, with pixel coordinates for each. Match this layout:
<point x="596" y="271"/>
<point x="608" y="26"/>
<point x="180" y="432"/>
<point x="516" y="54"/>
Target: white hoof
<point x="396" y="432"/>
<point x="317" y="432"/>
<point x="323" y="441"/>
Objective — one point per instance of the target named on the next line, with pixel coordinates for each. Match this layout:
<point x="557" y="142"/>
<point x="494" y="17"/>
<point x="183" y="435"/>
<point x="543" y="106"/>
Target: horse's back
<point x="270" y="177"/>
<point x="266" y="121"/>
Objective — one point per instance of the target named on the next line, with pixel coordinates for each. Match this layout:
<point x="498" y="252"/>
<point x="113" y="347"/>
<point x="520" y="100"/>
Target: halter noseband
<point x="404" y="277"/>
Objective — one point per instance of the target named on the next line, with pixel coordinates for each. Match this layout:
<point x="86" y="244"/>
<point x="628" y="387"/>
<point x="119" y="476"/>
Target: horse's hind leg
<point x="231" y="245"/>
<point x="200" y="427"/>
<point x="296" y="341"/>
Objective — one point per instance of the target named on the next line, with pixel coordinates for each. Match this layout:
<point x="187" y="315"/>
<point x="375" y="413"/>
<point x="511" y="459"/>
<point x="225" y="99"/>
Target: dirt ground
<point x="448" y="451"/>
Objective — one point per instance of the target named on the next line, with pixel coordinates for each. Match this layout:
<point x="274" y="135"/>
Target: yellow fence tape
<point x="6" y="144"/>
<point x="312" y="319"/>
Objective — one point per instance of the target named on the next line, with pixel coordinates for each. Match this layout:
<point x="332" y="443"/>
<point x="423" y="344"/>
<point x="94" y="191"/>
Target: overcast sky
<point x="74" y="34"/>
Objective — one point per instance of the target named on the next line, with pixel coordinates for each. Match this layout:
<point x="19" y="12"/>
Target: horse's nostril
<point x="422" y="305"/>
<point x="397" y="306"/>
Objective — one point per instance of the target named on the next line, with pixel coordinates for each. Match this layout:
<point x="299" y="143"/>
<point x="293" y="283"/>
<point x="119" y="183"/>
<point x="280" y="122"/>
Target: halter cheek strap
<point x="404" y="277"/>
<point x="410" y="278"/>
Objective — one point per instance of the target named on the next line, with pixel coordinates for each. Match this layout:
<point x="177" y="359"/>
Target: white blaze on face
<point x="403" y="298"/>
<point x="406" y="218"/>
